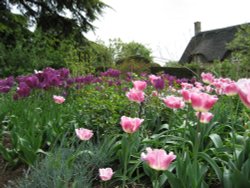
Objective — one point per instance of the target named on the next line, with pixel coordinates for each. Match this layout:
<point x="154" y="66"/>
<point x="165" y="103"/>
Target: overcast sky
<point x="166" y="26"/>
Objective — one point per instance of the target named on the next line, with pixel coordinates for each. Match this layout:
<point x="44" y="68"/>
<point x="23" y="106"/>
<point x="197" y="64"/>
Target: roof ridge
<point x="223" y="28"/>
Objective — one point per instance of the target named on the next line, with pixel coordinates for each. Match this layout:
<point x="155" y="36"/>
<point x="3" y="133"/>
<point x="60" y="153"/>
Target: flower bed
<point x="139" y="131"/>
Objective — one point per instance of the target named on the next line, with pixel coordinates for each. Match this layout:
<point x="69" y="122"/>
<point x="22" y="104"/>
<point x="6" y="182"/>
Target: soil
<point x="9" y="174"/>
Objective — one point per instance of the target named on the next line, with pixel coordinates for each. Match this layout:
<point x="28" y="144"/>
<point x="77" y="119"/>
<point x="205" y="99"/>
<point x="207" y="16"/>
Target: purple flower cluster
<point x="41" y="80"/>
<point x="111" y="73"/>
<point x="50" y="78"/>
<point x="6" y="84"/>
<point x="174" y="80"/>
<point x="89" y="79"/>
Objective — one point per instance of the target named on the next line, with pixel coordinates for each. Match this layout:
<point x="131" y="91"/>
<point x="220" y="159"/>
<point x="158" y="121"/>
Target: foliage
<point x="241" y="42"/>
<point x="72" y="166"/>
<point x="133" y="65"/>
<point x="87" y="58"/>
<point x="122" y="50"/>
<point x="172" y="64"/>
<point x="227" y="68"/>
<point x="42" y="50"/>
<point x="51" y="16"/>
<point x="28" y="55"/>
<point x="38" y="118"/>
<point x="32" y="126"/>
<point x="13" y="27"/>
<point x="57" y="40"/>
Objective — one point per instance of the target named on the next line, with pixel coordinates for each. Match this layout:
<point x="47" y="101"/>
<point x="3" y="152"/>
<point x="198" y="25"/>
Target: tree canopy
<point x="59" y="16"/>
<point x="122" y="50"/>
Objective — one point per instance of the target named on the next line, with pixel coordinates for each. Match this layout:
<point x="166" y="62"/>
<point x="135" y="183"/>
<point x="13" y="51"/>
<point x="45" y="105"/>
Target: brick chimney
<point x="197" y="27"/>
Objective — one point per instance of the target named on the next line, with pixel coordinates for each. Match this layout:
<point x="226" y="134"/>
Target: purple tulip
<point x="23" y="90"/>
<point x="32" y="81"/>
<point x="64" y="73"/>
<point x="159" y="83"/>
<point x="111" y="73"/>
<point x="4" y="89"/>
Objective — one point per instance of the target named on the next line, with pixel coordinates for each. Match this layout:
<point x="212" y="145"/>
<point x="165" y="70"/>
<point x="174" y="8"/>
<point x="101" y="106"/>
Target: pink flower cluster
<point x="84" y="134"/>
<point x="58" y="99"/>
<point x="174" y="102"/>
<point x="130" y="125"/>
<point x="195" y="95"/>
<point x="229" y="87"/>
<point x="136" y="94"/>
<point x="158" y="159"/>
<point x="204" y="117"/>
<point x="243" y="86"/>
<point x="105" y="173"/>
<point x="202" y="102"/>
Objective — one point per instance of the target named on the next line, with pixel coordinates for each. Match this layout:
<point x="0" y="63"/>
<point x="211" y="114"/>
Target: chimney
<point x="197" y="27"/>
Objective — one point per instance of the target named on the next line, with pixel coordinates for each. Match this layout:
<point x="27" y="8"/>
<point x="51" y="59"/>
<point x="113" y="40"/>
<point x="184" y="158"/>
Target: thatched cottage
<point x="208" y="46"/>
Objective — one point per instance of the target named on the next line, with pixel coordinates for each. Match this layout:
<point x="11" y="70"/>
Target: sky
<point x="166" y="26"/>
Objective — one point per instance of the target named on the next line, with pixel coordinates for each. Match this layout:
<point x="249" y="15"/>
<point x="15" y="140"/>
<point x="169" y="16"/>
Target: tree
<point x="122" y="50"/>
<point x="130" y="57"/>
<point x="57" y="40"/>
<point x="53" y="15"/>
<point x="241" y="42"/>
<point x="13" y="27"/>
<point x="238" y="66"/>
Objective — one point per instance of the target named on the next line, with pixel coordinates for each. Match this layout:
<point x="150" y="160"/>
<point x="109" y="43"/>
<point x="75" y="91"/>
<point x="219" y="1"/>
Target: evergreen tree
<point x="59" y="17"/>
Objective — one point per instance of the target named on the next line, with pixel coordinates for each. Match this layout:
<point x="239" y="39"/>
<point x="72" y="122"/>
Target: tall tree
<point x="13" y="27"/>
<point x="122" y="50"/>
<point x="61" y="17"/>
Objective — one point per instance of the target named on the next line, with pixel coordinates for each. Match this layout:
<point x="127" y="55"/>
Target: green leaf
<point x="164" y="126"/>
<point x="6" y="153"/>
<point x="216" y="140"/>
<point x="173" y="180"/>
<point x="213" y="164"/>
<point x="227" y="178"/>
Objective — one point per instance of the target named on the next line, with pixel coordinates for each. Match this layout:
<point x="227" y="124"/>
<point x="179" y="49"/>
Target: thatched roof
<point x="211" y="45"/>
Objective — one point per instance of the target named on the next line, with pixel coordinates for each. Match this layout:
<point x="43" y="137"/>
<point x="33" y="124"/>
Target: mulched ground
<point x="9" y="174"/>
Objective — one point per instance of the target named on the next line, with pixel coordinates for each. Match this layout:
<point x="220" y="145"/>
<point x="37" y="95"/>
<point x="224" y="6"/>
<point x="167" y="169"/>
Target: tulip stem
<point x="196" y="142"/>
<point x="125" y="168"/>
<point x="104" y="184"/>
<point x="140" y="110"/>
<point x="155" y="182"/>
<point x="127" y="151"/>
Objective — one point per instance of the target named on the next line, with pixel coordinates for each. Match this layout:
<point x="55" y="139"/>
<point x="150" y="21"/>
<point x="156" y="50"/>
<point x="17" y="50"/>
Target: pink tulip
<point x="158" y="159"/>
<point x="224" y="86"/>
<point x="209" y="89"/>
<point x="153" y="77"/>
<point x="135" y="95"/>
<point x="174" y="102"/>
<point x="186" y="94"/>
<point x="204" y="117"/>
<point x="58" y="99"/>
<point x="244" y="91"/>
<point x="230" y="89"/>
<point x="199" y="86"/>
<point x="140" y="85"/>
<point x="207" y="78"/>
<point x="202" y="102"/>
<point x="105" y="173"/>
<point x="185" y="85"/>
<point x="130" y="125"/>
<point x="84" y="134"/>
